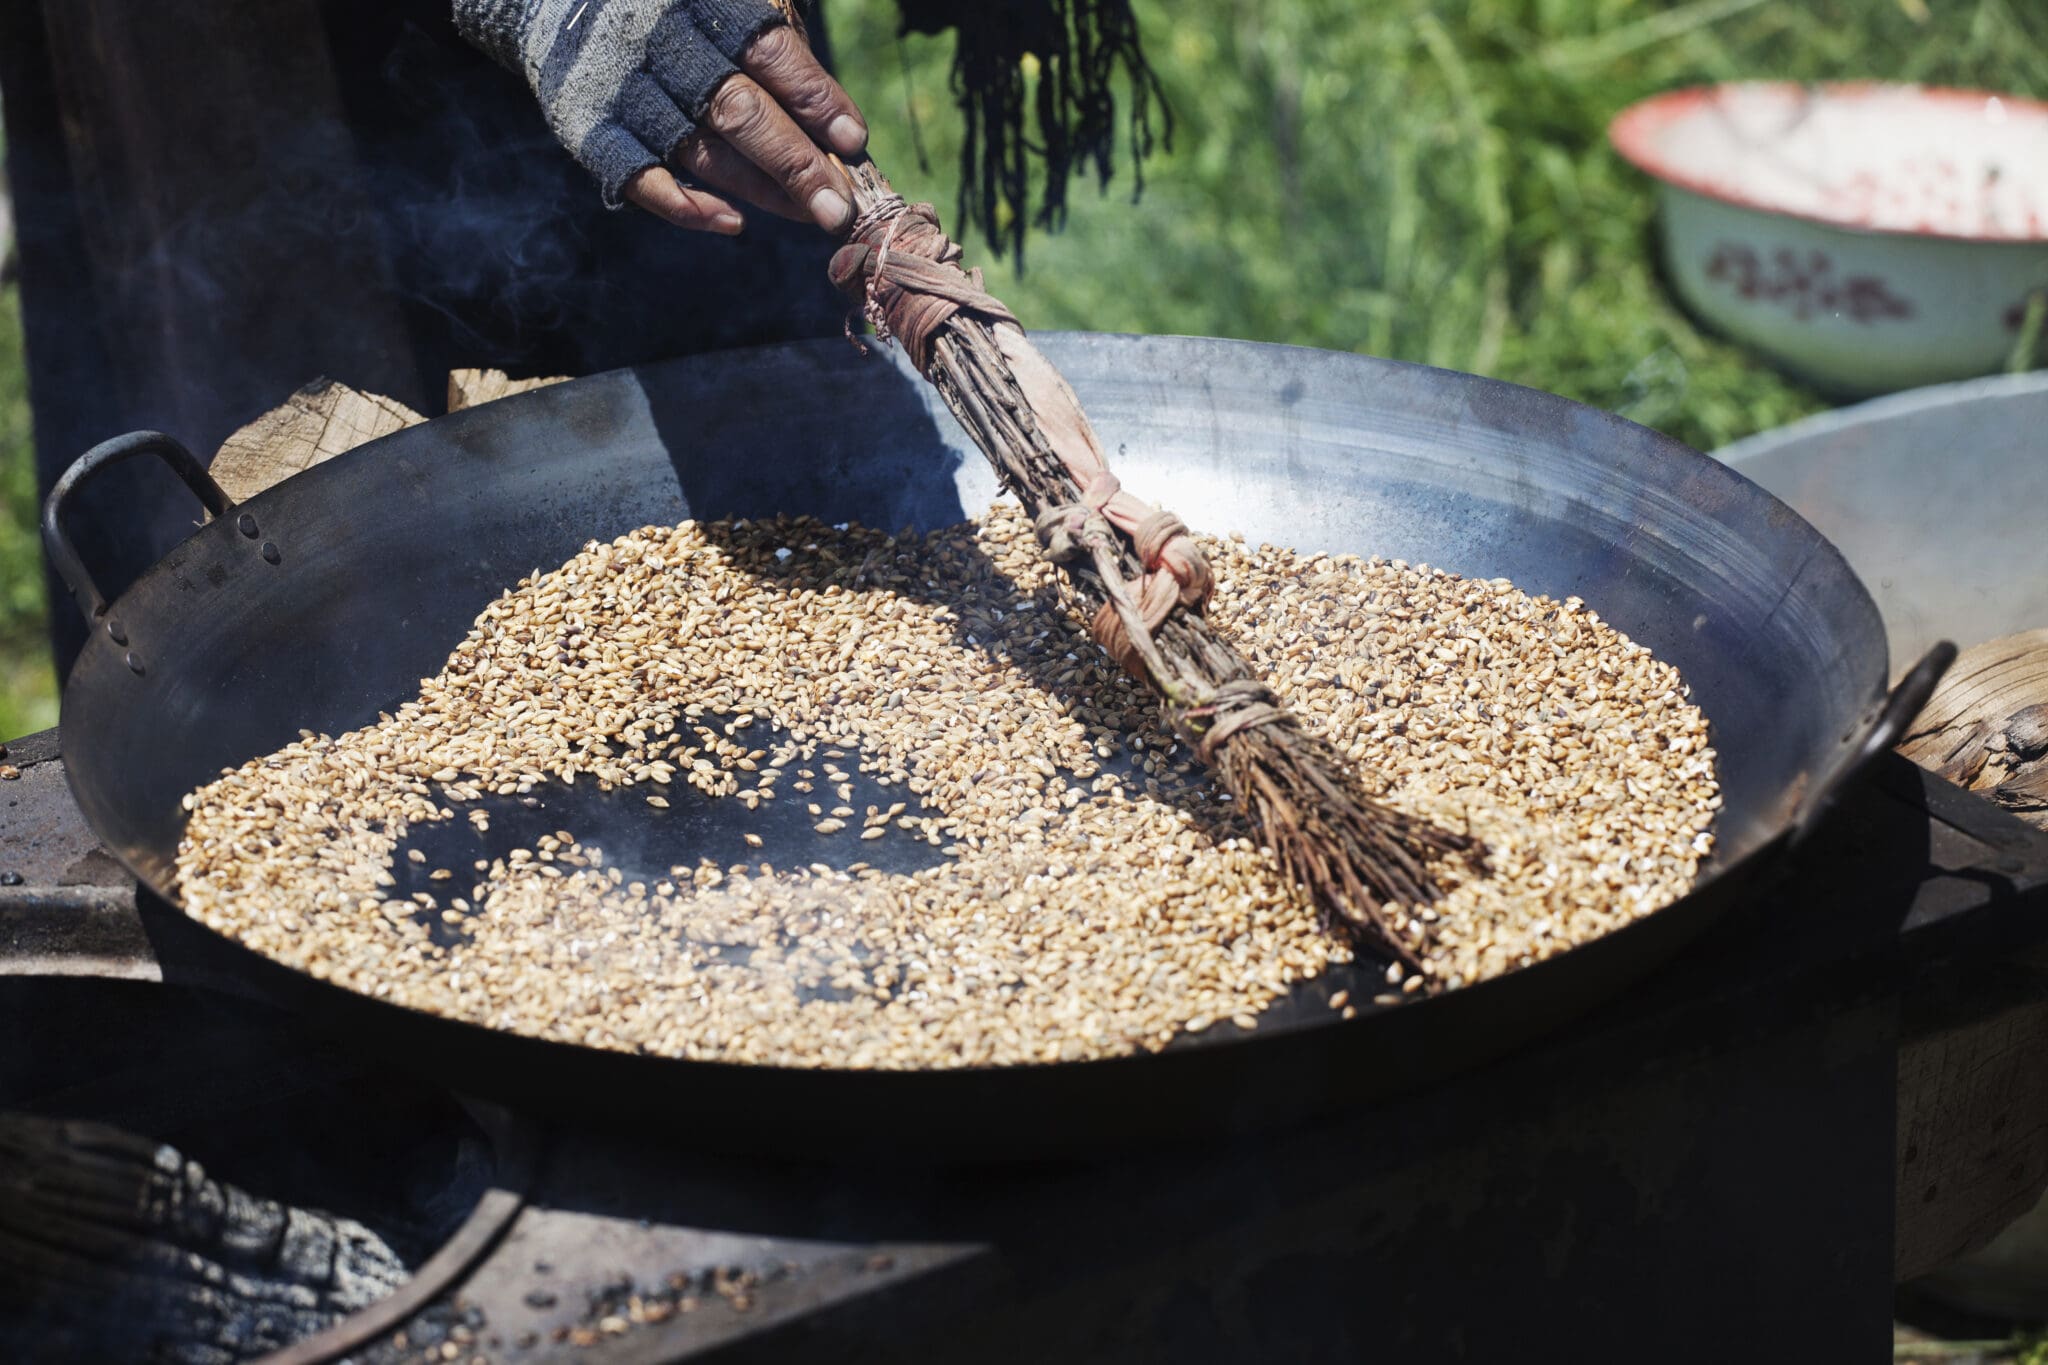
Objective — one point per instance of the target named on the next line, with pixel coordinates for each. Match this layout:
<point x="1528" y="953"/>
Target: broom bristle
<point x="1366" y="864"/>
<point x="1359" y="859"/>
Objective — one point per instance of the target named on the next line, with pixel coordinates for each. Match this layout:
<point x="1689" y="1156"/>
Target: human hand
<point x="761" y="138"/>
<point x="725" y="91"/>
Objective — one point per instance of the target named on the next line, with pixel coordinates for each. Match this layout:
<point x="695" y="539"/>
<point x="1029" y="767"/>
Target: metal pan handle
<point x="64" y="555"/>
<point x="1882" y="734"/>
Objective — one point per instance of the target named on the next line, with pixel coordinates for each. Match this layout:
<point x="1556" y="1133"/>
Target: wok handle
<point x="1883" y="733"/>
<point x="64" y="555"/>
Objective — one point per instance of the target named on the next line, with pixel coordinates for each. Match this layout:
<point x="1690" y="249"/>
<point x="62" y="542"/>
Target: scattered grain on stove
<point x="1097" y="893"/>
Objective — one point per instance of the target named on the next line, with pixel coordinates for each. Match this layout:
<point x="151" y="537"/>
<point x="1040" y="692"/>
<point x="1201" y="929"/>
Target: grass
<point x="1422" y="179"/>
<point x="1429" y="179"/>
<point x="28" y="691"/>
<point x="2024" y="1347"/>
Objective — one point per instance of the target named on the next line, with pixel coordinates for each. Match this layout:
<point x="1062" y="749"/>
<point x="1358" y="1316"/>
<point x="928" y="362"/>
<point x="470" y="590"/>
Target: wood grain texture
<point x="1972" y="1136"/>
<point x="322" y="420"/>
<point x="1973" y="1115"/>
<point x="473" y="388"/>
<point x="1986" y="728"/>
<point x="325" y="419"/>
<point x="116" y="1247"/>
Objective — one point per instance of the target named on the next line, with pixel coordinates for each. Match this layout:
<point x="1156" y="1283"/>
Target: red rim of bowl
<point x="1635" y="129"/>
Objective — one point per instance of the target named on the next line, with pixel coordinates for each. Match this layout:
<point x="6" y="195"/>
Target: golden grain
<point x="1098" y="894"/>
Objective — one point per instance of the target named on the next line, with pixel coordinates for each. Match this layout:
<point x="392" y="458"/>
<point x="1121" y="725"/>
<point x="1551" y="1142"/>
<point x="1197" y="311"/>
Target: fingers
<point x="784" y="65"/>
<point x="755" y="125"/>
<point x="759" y="140"/>
<point x="655" y="190"/>
<point x="707" y="157"/>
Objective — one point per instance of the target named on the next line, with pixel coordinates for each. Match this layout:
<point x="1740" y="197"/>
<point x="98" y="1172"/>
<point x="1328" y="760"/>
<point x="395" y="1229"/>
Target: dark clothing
<point x="343" y="189"/>
<point x="219" y="200"/>
<point x="619" y="96"/>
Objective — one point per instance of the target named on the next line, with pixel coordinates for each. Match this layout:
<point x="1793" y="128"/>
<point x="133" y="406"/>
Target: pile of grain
<point x="1098" y="895"/>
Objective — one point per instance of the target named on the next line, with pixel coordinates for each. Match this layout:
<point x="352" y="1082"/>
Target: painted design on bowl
<point x="2016" y="316"/>
<point x="1805" y="283"/>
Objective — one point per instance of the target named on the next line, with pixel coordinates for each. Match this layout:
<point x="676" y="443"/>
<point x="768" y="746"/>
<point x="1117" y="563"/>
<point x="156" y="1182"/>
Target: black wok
<point x="325" y="599"/>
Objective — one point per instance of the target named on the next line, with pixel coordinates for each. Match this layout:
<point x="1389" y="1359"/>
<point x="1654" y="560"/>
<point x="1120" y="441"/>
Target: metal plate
<point x="1935" y="496"/>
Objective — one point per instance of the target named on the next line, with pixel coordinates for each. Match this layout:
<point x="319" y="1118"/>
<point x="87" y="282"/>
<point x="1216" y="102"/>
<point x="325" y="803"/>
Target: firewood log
<point x="1986" y="729"/>
<point x="114" y="1247"/>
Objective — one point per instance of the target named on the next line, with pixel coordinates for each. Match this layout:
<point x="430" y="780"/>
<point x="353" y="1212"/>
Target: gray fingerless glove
<point x="621" y="81"/>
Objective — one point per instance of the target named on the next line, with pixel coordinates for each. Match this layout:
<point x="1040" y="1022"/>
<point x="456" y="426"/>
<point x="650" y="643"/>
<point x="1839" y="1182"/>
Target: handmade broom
<point x="1138" y="574"/>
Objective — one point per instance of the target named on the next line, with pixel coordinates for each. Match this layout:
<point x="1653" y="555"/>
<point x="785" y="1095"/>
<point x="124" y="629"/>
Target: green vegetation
<point x="1430" y="180"/>
<point x="1424" y="179"/>
<point x="28" y="696"/>
<point x="2025" y="1347"/>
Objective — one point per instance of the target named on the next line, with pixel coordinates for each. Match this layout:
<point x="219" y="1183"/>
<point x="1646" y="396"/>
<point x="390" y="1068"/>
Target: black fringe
<point x="1080" y="45"/>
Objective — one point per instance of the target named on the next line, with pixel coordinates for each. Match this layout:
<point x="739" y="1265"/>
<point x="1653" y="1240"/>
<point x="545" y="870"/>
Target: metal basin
<point x="1936" y="497"/>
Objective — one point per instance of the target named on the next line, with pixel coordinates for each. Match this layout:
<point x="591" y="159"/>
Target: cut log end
<point x="322" y="420"/>
<point x="1986" y="727"/>
<point x="474" y="388"/>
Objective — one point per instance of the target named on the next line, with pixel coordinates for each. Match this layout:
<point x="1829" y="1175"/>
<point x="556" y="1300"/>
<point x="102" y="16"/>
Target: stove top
<point x="1748" y="1146"/>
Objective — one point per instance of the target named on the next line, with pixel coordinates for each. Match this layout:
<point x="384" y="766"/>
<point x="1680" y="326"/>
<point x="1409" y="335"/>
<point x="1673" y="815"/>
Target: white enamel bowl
<point x="1866" y="237"/>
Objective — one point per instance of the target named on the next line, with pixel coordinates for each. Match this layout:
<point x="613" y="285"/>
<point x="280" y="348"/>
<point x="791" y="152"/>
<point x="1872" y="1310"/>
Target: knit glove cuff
<point x="621" y="81"/>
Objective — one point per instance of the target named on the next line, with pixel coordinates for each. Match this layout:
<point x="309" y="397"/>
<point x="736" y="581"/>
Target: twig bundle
<point x="1137" y="571"/>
